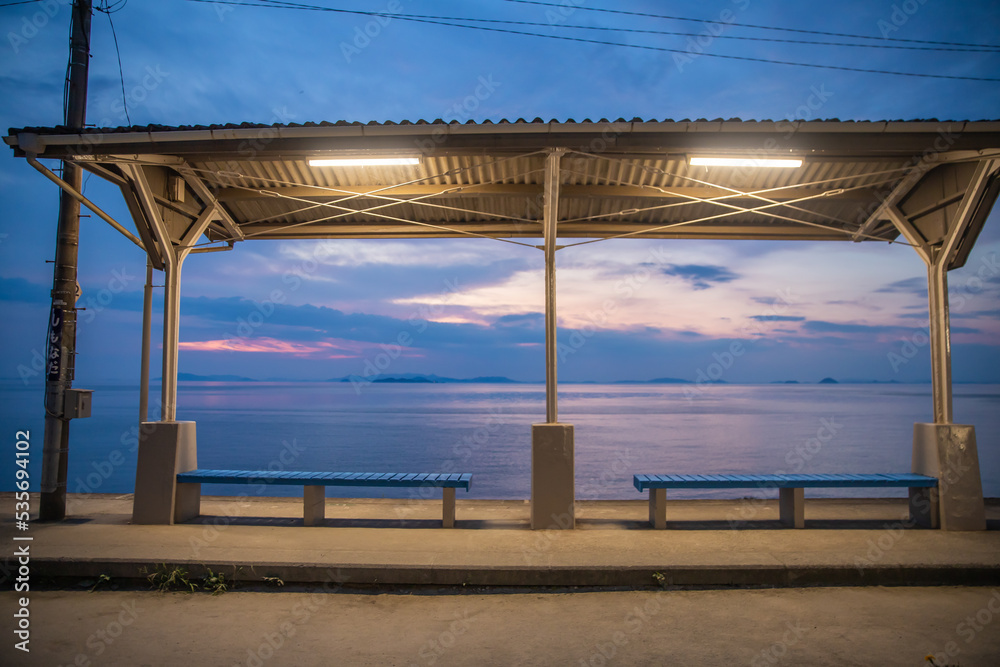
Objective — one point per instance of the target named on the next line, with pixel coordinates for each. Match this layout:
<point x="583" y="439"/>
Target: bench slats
<point x="796" y="481"/>
<point x="204" y="476"/>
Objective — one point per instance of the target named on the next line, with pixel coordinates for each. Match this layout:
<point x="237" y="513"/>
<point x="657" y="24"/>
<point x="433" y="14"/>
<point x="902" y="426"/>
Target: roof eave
<point x="826" y="139"/>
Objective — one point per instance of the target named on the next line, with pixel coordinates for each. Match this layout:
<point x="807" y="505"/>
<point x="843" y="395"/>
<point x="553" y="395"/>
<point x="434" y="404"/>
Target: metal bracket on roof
<point x="971" y="214"/>
<point x="909" y="181"/>
<point x="906" y="228"/>
<point x="206" y="195"/>
<point x="147" y="204"/>
<point x="69" y="189"/>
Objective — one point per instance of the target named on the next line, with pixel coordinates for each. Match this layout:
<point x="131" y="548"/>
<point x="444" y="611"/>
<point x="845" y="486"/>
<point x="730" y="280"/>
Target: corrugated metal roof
<point x="598" y="197"/>
<point x="617" y="177"/>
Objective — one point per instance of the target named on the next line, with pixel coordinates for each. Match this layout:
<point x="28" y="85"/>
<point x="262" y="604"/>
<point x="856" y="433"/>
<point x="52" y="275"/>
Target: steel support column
<point x="147" y="326"/>
<point x="171" y="338"/>
<point x="940" y="258"/>
<point x="173" y="255"/>
<point x="550" y="215"/>
<point x="939" y="262"/>
<point x="940" y="340"/>
<point x="172" y="313"/>
<point x="939" y="325"/>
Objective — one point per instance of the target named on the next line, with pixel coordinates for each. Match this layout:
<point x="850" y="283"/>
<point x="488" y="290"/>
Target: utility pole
<point x="61" y="344"/>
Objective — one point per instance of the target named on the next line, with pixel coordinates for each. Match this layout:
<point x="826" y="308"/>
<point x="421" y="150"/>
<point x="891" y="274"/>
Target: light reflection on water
<point x="485" y="430"/>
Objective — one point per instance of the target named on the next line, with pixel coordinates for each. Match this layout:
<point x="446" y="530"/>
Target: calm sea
<point x="486" y="430"/>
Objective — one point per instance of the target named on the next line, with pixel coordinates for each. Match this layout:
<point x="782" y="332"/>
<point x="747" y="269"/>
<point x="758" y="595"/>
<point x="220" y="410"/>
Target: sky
<point x="314" y="310"/>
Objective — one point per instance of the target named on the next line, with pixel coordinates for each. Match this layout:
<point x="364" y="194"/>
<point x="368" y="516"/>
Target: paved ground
<point x="382" y="584"/>
<point x="845" y="542"/>
<point x="810" y="626"/>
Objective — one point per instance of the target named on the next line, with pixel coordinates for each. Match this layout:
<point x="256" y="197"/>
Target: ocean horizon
<point x="485" y="429"/>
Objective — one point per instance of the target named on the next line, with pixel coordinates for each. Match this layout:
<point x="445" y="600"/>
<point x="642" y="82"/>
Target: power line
<point x="984" y="49"/>
<point x="110" y="9"/>
<point x="746" y="25"/>
<point x="977" y="49"/>
<point x="274" y="4"/>
<point x="22" y="2"/>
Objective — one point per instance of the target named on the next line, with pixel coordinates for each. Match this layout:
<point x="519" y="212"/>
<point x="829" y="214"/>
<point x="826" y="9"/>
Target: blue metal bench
<point x="314" y="485"/>
<point x="790" y="487"/>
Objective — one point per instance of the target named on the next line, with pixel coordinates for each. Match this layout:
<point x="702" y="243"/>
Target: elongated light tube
<point x="787" y="163"/>
<point x="364" y="162"/>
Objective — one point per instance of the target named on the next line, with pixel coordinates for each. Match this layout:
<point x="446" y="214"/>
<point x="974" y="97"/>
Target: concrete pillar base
<point x="166" y="449"/>
<point x="552" y="477"/>
<point x="948" y="452"/>
<point x="187" y="502"/>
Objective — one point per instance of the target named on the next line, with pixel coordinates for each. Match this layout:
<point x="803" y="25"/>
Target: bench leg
<point x="313" y="505"/>
<point x="924" y="507"/>
<point x="448" y="517"/>
<point x="791" y="506"/>
<point x="658" y="508"/>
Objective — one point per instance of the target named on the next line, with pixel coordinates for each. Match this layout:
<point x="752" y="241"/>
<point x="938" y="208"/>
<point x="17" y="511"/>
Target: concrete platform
<point x="816" y="627"/>
<point x="708" y="543"/>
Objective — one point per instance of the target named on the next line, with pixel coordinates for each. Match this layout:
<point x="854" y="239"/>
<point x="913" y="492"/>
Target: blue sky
<point x="462" y="308"/>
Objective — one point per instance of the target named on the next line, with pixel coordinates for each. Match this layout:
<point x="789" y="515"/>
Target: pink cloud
<point x="331" y="348"/>
<point x="325" y="350"/>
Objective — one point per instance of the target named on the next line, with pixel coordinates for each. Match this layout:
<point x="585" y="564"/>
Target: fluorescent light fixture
<point x="364" y="162"/>
<point x="790" y="163"/>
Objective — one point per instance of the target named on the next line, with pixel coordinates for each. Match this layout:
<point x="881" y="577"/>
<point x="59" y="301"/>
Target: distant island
<point x="411" y="380"/>
<point x="417" y="378"/>
<point x="823" y="381"/>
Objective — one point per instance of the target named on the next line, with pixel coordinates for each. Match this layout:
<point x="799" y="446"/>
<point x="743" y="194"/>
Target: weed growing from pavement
<point x="101" y="579"/>
<point x="166" y="578"/>
<point x="215" y="582"/>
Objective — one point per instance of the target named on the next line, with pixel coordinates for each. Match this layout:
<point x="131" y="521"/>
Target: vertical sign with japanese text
<point x="53" y="356"/>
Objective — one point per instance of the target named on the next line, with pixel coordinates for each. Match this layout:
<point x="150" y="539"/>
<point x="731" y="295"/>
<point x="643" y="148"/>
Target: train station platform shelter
<point x="551" y="186"/>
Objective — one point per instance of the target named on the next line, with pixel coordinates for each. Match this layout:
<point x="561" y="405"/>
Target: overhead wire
<point x="966" y="48"/>
<point x="741" y="25"/>
<point x="277" y="4"/>
<point x="109" y="9"/>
